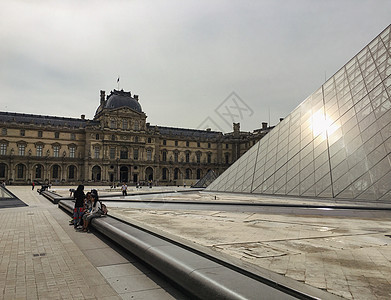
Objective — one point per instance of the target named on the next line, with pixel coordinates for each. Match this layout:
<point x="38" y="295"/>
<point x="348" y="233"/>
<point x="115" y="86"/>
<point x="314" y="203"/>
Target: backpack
<point x="103" y="208"/>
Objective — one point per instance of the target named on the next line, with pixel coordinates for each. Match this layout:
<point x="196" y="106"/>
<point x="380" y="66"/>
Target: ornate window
<point x="123" y="154"/>
<point x="187" y="157"/>
<point x="124" y="124"/>
<point x="21" y="149"/>
<point x="112" y="153"/>
<point x="56" y="135"/>
<point x="112" y="124"/>
<point x="22" y="132"/>
<point x="209" y="158"/>
<point x="73" y="136"/>
<point x="198" y="155"/>
<point x="97" y="152"/>
<point x="149" y="154"/>
<point x="72" y="151"/>
<point x="40" y="134"/>
<point x="3" y="149"/>
<point x="39" y="150"/>
<point x="176" y="156"/>
<point x="135" y="154"/>
<point x="56" y="151"/>
<point x="164" y="155"/>
<point x="3" y="131"/>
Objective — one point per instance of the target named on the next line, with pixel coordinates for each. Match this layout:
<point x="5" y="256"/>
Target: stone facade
<point x="118" y="145"/>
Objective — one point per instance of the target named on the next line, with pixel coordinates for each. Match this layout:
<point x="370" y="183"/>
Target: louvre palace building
<point x="117" y="145"/>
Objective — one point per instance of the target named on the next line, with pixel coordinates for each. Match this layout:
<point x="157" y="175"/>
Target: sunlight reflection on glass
<point x="322" y="124"/>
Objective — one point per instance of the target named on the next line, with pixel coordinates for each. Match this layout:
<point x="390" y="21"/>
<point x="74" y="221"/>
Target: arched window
<point x="165" y="174"/>
<point x="56" y="172"/>
<point x="20" y="170"/>
<point x="3" y="170"/>
<point x="96" y="173"/>
<point x="188" y="173"/>
<point x="176" y="174"/>
<point x="38" y="171"/>
<point x="149" y="174"/>
<point x="71" y="172"/>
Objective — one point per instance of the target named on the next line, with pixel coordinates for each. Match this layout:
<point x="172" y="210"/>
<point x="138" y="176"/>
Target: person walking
<point x="79" y="206"/>
<point x="124" y="189"/>
<point x="32" y="186"/>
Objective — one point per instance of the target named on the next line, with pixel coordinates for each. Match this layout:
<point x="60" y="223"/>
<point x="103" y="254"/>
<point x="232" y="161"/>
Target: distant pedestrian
<point x="124" y="189"/>
<point x="32" y="186"/>
<point x="79" y="206"/>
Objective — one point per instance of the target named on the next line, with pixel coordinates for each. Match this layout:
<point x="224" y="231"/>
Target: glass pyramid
<point x="336" y="143"/>
<point x="206" y="180"/>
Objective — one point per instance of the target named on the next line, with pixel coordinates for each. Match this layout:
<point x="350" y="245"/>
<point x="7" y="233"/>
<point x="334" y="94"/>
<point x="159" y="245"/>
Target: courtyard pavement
<point x="346" y="255"/>
<point x="42" y="257"/>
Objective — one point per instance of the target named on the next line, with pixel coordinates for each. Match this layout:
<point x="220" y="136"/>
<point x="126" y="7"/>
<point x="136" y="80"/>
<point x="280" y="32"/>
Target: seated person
<point x="96" y="211"/>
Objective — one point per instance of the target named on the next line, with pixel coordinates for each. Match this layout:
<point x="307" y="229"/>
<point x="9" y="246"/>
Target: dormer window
<point x="112" y="124"/>
<point x="125" y="124"/>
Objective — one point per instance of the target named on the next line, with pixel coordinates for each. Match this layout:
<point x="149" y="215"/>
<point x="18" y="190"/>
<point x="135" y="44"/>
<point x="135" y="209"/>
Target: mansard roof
<point x="9" y="117"/>
<point x="183" y="132"/>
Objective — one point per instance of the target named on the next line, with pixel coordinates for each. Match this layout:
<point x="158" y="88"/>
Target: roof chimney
<point x="102" y="97"/>
<point x="264" y="125"/>
<point x="83" y="117"/>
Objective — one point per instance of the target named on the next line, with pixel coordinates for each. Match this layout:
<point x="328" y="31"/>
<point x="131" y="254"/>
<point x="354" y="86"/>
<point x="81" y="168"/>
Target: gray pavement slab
<point x="348" y="256"/>
<point x="42" y="257"/>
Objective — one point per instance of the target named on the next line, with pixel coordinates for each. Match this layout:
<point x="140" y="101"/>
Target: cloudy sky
<point x="194" y="64"/>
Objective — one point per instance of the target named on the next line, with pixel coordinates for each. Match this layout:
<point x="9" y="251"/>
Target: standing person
<point x="96" y="210"/>
<point x="124" y="189"/>
<point x="79" y="206"/>
<point x="32" y="186"/>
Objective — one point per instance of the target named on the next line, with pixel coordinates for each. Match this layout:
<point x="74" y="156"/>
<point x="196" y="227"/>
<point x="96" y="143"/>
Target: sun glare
<point x="322" y="124"/>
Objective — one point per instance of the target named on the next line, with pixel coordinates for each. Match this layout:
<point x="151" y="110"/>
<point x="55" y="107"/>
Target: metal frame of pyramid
<point x="206" y="180"/>
<point x="336" y="143"/>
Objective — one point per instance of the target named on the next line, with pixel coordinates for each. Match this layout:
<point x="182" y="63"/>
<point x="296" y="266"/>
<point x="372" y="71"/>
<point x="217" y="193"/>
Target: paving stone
<point x="40" y="258"/>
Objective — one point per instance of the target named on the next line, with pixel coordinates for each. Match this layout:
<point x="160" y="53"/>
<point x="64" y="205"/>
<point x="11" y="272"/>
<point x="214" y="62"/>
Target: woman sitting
<point x="96" y="211"/>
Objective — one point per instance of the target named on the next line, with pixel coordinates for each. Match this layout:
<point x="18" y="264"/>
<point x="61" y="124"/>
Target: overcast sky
<point x="192" y="63"/>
